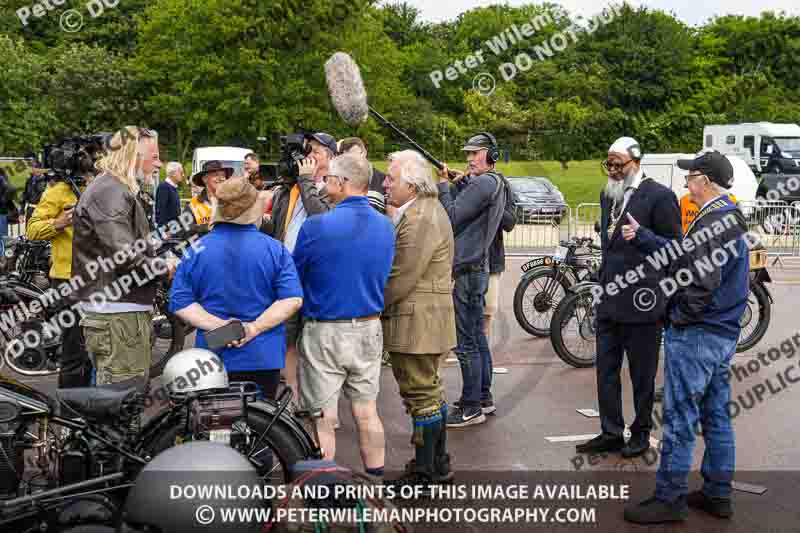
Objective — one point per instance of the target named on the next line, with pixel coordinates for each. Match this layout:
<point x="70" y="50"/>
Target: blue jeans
<point x="4" y="225"/>
<point x="696" y="389"/>
<point x="469" y="298"/>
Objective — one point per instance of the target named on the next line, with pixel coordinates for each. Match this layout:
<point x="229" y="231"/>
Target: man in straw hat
<point x="201" y="206"/>
<point x="113" y="258"/>
<point x="240" y="274"/>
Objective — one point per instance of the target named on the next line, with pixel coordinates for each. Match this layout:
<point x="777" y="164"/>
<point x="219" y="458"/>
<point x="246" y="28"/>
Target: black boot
<point x="421" y="470"/>
<point x="441" y="459"/>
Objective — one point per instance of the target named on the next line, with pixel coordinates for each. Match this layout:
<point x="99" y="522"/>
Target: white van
<point x="765" y="146"/>
<point x="664" y="169"/>
<point x="230" y="156"/>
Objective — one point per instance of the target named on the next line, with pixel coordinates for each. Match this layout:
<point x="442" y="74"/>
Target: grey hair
<point x="415" y="171"/>
<point x="173" y="167"/>
<point x="356" y="169"/>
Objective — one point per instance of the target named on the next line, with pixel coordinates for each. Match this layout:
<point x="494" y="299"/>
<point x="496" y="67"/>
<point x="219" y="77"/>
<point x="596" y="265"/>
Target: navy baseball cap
<point x="713" y="164"/>
<point x="325" y="140"/>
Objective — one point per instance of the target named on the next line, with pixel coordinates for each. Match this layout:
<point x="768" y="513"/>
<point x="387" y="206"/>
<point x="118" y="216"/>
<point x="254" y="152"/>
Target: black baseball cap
<point x="713" y="164"/>
<point x="325" y="140"/>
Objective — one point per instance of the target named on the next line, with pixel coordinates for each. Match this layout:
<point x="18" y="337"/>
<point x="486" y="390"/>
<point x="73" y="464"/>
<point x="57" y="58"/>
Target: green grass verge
<point x="580" y="182"/>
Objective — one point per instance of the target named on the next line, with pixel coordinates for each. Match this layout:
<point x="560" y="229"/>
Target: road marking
<point x="570" y="438"/>
<point x="746" y="487"/>
<point x="589" y="413"/>
<point x="499" y="370"/>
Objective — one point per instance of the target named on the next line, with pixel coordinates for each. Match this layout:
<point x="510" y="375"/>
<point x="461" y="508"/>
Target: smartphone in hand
<point x="222" y="336"/>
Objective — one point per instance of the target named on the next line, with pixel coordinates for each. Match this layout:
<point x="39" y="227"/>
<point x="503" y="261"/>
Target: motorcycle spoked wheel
<point x="759" y="309"/>
<point x="575" y="309"/>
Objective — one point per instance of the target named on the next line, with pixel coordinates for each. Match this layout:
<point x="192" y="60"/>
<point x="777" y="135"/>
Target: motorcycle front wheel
<point x="756" y="317"/>
<point x="573" y="331"/>
<point x="536" y="298"/>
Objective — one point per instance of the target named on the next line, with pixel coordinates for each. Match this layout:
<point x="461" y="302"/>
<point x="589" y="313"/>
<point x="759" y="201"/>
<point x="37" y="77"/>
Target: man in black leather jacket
<point x="113" y="259"/>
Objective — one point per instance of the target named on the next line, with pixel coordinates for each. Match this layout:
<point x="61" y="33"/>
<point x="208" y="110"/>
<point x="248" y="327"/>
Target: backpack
<point x="315" y="474"/>
<point x="510" y="209"/>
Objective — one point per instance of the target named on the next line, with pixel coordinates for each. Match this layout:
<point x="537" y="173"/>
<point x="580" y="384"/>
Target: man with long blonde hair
<point x="114" y="260"/>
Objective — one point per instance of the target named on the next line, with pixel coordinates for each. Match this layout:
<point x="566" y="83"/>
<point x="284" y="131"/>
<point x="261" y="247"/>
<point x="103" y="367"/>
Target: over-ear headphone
<point x="493" y="153"/>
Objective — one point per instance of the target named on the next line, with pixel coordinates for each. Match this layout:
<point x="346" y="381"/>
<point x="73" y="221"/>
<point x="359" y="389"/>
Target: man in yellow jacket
<point x="52" y="221"/>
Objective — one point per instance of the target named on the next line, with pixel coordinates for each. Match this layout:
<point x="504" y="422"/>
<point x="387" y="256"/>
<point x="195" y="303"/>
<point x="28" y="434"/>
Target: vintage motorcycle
<point x="546" y="281"/>
<point x="81" y="448"/>
<point x="574" y="324"/>
<point x="24" y="279"/>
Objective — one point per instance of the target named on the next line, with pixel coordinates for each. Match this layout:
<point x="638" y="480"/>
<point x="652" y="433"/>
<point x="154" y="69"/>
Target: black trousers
<point x="641" y="342"/>
<point x="76" y="367"/>
<point x="267" y="380"/>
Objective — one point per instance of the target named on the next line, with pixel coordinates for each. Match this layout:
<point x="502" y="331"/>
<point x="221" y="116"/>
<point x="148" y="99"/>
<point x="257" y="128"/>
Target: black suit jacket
<point x="656" y="208"/>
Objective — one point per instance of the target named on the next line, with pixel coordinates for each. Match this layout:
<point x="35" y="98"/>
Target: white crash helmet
<point x="194" y="370"/>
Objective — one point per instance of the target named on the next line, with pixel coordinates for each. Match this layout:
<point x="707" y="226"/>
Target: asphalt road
<point x="538" y="399"/>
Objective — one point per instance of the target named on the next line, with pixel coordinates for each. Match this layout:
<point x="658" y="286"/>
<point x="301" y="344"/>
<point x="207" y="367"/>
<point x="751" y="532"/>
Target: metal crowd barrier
<point x="539" y="227"/>
<point x="776" y="223"/>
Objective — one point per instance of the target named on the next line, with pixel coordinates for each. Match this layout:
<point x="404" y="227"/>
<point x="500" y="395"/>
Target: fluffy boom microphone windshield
<point x="346" y="88"/>
<point x="349" y="98"/>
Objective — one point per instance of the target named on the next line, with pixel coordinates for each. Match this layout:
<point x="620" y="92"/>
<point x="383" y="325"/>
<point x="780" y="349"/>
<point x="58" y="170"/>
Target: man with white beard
<point x="630" y="313"/>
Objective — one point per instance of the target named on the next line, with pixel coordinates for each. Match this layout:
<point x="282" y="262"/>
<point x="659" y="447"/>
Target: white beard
<point x="615" y="190"/>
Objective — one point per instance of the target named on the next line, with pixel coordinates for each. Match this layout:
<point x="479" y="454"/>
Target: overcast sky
<point x="690" y="11"/>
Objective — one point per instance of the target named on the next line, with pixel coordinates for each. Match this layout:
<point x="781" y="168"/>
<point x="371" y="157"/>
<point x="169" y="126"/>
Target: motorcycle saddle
<point x="102" y="402"/>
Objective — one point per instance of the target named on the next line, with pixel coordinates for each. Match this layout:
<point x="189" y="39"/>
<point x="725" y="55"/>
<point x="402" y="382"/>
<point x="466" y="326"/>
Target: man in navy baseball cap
<point x="715" y="166"/>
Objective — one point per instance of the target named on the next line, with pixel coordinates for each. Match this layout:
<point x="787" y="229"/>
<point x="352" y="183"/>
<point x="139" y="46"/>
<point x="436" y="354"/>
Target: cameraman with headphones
<point x="52" y="221"/>
<point x="475" y="204"/>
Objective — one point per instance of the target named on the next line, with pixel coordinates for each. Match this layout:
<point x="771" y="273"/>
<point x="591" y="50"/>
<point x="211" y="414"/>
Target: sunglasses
<point x="609" y="166"/>
<point x="690" y="177"/>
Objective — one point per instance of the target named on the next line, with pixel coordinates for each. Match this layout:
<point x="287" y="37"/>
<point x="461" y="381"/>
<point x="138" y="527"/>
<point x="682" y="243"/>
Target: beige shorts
<point x="492" y="295"/>
<point x="336" y="357"/>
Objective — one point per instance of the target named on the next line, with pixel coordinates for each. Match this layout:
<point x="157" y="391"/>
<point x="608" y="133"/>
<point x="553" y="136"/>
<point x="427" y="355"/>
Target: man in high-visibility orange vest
<point x="689" y="210"/>
<point x="200" y="206"/>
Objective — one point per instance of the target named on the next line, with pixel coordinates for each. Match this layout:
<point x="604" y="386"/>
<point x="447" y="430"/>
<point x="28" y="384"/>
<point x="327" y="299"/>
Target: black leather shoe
<point x="719" y="507"/>
<point x="655" y="511"/>
<point x="602" y="443"/>
<point x="637" y="445"/>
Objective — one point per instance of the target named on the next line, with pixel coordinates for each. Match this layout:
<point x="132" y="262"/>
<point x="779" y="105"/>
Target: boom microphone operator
<point x="349" y="98"/>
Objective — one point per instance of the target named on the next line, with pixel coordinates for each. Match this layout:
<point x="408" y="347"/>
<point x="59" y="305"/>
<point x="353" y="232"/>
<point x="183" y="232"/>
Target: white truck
<point x="664" y="169"/>
<point x="230" y="156"/>
<point x="767" y="147"/>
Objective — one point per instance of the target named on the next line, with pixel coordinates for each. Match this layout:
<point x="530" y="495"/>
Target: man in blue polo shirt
<point x="238" y="273"/>
<point x="344" y="258"/>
